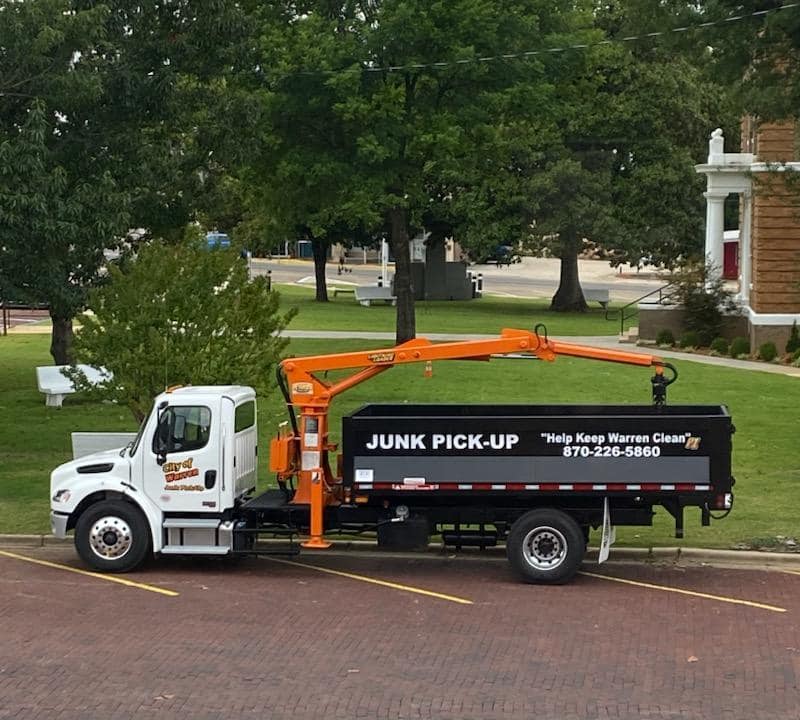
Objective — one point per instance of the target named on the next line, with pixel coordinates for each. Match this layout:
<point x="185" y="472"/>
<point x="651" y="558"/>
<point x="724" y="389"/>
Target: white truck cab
<point x="169" y="491"/>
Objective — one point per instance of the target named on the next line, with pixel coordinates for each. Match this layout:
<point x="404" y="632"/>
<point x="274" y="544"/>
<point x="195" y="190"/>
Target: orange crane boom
<point x="304" y="452"/>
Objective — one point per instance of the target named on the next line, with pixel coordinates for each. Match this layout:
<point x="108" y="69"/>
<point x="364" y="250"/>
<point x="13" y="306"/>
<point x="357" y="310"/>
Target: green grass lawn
<point x="34" y="438"/>
<point x="483" y="315"/>
<point x="486" y="315"/>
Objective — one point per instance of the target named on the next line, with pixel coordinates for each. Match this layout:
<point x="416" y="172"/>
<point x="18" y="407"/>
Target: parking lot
<point x="366" y="636"/>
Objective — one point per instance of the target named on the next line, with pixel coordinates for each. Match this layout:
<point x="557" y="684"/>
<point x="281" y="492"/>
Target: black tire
<point x="112" y="536"/>
<point x="545" y="546"/>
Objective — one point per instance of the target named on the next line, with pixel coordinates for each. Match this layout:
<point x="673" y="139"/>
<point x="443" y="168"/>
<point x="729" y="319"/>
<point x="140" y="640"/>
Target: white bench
<point x="598" y="295"/>
<point x="54" y="384"/>
<point x="366" y="294"/>
<point x="88" y="443"/>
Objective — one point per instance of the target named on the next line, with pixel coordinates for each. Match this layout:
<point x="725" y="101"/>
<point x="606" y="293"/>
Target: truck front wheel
<point x="545" y="546"/>
<point x="112" y="536"/>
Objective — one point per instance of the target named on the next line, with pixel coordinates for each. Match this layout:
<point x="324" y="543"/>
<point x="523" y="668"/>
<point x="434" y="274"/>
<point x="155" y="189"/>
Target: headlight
<point x="62" y="496"/>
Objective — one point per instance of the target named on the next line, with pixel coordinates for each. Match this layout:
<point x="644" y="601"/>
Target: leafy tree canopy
<point x="54" y="225"/>
<point x="180" y="314"/>
<point x="369" y="131"/>
<point x="114" y="110"/>
<point x="760" y="57"/>
<point x="616" y="168"/>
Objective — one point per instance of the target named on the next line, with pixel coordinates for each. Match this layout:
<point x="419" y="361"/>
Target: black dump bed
<point x="583" y="448"/>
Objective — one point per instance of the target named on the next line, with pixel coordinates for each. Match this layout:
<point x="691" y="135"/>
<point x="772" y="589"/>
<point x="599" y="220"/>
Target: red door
<point x="730" y="261"/>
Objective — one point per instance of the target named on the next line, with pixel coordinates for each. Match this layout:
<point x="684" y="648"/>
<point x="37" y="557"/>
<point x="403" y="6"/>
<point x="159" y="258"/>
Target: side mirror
<point x="161" y="442"/>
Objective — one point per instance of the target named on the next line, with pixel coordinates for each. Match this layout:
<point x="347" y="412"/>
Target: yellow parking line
<point x="375" y="581"/>
<point x="706" y="596"/>
<point x="99" y="576"/>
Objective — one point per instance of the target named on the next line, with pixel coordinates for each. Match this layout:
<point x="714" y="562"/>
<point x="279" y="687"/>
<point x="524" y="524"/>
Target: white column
<point x="715" y="227"/>
<point x="745" y="271"/>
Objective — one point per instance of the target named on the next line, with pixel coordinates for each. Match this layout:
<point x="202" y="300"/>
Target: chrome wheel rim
<point x="544" y="548"/>
<point x="110" y="538"/>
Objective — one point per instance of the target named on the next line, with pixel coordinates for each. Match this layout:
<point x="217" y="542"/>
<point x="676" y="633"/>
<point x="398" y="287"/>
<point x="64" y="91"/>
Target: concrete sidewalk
<point x="604" y="341"/>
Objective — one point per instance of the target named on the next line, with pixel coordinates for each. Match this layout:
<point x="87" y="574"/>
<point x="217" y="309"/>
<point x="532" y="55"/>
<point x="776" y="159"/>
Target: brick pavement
<point x="262" y="640"/>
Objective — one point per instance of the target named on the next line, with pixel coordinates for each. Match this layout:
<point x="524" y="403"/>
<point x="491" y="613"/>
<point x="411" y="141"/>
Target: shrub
<point x="665" y="337"/>
<point x="689" y="339"/>
<point x="704" y="298"/>
<point x="796" y="354"/>
<point x="768" y="352"/>
<point x="793" y="343"/>
<point x="180" y="314"/>
<point x="720" y="345"/>
<point x="739" y="346"/>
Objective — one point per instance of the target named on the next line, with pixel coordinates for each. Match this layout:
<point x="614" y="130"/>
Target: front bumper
<point x="58" y="524"/>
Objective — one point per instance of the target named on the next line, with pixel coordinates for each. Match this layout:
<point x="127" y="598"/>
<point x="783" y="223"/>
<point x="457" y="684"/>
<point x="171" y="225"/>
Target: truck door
<point x="183" y="461"/>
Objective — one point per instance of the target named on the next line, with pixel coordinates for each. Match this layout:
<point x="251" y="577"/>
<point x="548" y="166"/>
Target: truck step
<point x="195" y="550"/>
<point x="192" y="523"/>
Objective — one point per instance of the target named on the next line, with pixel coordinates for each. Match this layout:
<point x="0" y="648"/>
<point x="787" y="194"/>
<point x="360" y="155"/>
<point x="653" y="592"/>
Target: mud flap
<point x="609" y="534"/>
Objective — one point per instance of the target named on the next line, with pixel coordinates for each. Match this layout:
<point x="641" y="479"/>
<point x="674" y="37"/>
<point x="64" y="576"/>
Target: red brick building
<point x="766" y="176"/>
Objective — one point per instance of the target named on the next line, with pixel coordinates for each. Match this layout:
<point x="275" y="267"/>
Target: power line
<point x="547" y="51"/>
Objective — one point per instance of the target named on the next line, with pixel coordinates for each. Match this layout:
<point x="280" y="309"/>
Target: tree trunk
<point x="569" y="296"/>
<point x="406" y="328"/>
<point x="319" y="249"/>
<point x="435" y="273"/>
<point x="61" y="341"/>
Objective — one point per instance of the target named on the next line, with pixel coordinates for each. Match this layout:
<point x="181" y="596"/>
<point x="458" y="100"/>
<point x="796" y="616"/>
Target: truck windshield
<point x="134" y="444"/>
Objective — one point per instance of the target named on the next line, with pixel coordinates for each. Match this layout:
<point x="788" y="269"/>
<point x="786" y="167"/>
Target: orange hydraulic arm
<point x="304" y="452"/>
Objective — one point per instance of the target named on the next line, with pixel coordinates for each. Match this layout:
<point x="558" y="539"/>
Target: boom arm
<point x="312" y="395"/>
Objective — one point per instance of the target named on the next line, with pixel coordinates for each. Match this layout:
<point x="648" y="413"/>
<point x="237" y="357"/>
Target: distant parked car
<point x="500" y="255"/>
<point x="217" y="240"/>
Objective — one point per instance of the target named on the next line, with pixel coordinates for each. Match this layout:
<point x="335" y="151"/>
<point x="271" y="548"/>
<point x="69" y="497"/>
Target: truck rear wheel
<point x="112" y="536"/>
<point x="545" y="546"/>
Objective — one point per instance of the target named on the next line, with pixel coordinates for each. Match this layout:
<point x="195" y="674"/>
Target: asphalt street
<point x="533" y="277"/>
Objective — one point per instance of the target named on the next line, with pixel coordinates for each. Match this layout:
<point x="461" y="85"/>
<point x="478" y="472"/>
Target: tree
<point x="617" y="167"/>
<point x="54" y="227"/>
<point x="669" y="98"/>
<point x="759" y="59"/>
<point x="60" y="204"/>
<point x="115" y="108"/>
<point x="300" y="175"/>
<point x="396" y="96"/>
<point x="546" y="184"/>
<point x="573" y="203"/>
<point x="639" y="144"/>
<point x="180" y="314"/>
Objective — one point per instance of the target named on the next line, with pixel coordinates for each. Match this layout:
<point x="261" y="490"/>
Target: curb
<point x="31" y="540"/>
<point x="674" y="555"/>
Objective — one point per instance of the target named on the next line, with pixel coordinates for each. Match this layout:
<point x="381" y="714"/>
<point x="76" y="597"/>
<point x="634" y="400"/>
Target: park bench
<point x="598" y="295"/>
<point x="54" y="384"/>
<point x="88" y="443"/>
<point x="343" y="291"/>
<point x="366" y="294"/>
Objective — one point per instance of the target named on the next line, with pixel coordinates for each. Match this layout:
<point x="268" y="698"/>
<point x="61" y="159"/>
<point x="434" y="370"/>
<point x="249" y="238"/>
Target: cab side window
<point x="182" y="429"/>
<point x="245" y="416"/>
